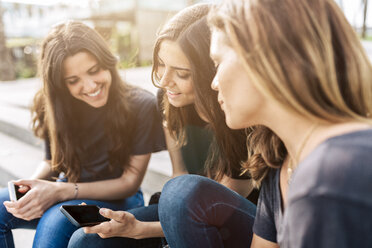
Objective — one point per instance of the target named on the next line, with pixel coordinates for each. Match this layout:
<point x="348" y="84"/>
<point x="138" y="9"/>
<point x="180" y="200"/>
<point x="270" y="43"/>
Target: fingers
<point x="100" y="228"/>
<point x="24" y="182"/>
<point x="26" y="213"/>
<point x="119" y="216"/>
<point x="24" y="188"/>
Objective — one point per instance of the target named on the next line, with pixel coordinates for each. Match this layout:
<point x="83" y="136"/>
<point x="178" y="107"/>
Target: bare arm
<point x="178" y="166"/>
<point x="258" y="242"/>
<point x="42" y="194"/>
<point x="242" y="187"/>
<point x="118" y="188"/>
<point x="44" y="171"/>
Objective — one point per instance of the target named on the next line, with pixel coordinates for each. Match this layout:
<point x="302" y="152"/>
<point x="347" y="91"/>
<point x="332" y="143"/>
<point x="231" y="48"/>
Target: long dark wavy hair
<point x="54" y="110"/>
<point x="190" y="30"/>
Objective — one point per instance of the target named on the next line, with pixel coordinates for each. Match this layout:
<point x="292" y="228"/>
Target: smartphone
<point x="83" y="215"/>
<point x="14" y="194"/>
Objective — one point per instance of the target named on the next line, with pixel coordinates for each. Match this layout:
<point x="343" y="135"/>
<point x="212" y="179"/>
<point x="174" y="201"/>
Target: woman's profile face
<point x="174" y="73"/>
<point x="86" y="80"/>
<point x="238" y="97"/>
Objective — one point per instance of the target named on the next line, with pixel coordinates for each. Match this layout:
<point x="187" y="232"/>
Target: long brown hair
<point x="304" y="55"/>
<point x="54" y="107"/>
<point x="190" y="30"/>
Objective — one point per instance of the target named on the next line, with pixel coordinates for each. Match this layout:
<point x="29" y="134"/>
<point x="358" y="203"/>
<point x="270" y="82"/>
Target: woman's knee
<point x="181" y="189"/>
<point x="184" y="193"/>
<point x="80" y="239"/>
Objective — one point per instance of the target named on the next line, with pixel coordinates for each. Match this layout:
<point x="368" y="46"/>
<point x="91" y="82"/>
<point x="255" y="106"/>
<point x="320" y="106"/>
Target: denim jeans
<point x="53" y="230"/>
<point x="150" y="213"/>
<point x="195" y="211"/>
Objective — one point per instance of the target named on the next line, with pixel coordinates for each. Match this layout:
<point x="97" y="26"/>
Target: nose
<point x="215" y="83"/>
<point x="166" y="79"/>
<point x="89" y="85"/>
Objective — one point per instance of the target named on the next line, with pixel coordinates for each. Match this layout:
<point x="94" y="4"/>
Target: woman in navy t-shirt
<point x="99" y="132"/>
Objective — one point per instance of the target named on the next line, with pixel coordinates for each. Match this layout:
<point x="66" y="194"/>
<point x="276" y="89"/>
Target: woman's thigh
<point x="54" y="229"/>
<point x="195" y="211"/>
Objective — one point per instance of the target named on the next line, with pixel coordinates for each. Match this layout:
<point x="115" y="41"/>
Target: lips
<point x="172" y="93"/>
<point x="95" y="93"/>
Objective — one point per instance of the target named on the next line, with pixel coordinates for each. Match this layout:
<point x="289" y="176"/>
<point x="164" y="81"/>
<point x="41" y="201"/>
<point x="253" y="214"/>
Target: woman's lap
<point x="53" y="229"/>
<point x="198" y="212"/>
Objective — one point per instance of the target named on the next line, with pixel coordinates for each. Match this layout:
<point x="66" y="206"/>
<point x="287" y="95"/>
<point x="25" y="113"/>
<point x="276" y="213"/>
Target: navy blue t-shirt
<point x="269" y="210"/>
<point x="93" y="151"/>
<point x="330" y="196"/>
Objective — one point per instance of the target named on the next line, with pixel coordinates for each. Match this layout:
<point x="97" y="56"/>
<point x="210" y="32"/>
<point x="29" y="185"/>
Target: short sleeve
<point x="149" y="135"/>
<point x="327" y="221"/>
<point x="264" y="223"/>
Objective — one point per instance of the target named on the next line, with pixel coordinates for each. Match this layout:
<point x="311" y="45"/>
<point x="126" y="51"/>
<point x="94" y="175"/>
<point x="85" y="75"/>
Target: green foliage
<point x="25" y="71"/>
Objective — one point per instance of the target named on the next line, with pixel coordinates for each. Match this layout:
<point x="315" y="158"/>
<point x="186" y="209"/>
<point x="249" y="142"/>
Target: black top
<point x="199" y="139"/>
<point x="93" y="151"/>
<point x="269" y="213"/>
<point x="330" y="197"/>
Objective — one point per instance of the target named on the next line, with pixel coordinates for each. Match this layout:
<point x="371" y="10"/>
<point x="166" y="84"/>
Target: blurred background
<point x="129" y="26"/>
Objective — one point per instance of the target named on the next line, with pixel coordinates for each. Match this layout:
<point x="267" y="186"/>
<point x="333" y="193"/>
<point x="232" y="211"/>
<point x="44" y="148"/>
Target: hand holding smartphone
<point x="14" y="193"/>
<point x="83" y="215"/>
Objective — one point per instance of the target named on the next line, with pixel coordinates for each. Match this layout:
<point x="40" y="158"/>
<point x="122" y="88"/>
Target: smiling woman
<point x="99" y="134"/>
<point x="86" y="80"/>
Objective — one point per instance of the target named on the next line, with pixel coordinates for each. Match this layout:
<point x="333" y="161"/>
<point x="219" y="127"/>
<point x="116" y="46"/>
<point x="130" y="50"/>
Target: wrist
<point x="148" y="230"/>
<point x="66" y="191"/>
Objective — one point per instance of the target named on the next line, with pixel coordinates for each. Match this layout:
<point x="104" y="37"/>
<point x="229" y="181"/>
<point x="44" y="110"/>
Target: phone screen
<point x="85" y="214"/>
<point x="18" y="194"/>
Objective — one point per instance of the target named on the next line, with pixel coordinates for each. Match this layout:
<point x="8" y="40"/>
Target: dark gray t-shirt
<point x="330" y="197"/>
<point x="93" y="153"/>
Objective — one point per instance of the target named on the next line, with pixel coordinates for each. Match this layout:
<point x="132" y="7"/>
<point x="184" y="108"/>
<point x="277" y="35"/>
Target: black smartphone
<point x="14" y="194"/>
<point x="83" y="215"/>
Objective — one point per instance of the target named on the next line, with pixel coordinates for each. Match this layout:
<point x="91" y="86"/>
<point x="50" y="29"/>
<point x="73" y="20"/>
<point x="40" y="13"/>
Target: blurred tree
<point x="364" y="27"/>
<point x="7" y="70"/>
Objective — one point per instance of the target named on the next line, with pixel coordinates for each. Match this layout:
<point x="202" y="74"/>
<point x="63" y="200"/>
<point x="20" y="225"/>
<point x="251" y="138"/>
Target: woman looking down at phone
<point x="99" y="134"/>
<point x="297" y="68"/>
<point x="193" y="122"/>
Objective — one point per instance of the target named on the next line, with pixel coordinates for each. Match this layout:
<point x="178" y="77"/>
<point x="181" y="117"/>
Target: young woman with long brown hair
<point x="297" y="68"/>
<point x="99" y="134"/>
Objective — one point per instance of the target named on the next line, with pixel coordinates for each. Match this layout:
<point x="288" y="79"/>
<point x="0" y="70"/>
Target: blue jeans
<point x="53" y="230"/>
<point x="150" y="213"/>
<point x="195" y="211"/>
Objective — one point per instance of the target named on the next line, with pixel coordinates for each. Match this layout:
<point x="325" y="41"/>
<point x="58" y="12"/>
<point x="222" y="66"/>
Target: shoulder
<point x="141" y="97"/>
<point x="269" y="195"/>
<point x="270" y="182"/>
<point x="340" y="166"/>
<point x="267" y="215"/>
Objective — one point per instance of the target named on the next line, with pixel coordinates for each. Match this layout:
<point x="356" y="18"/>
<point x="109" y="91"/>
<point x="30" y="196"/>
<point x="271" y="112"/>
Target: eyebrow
<point x="175" y="67"/>
<point x="70" y="77"/>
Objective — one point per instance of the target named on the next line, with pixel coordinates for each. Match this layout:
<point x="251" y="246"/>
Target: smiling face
<point x="86" y="80"/>
<point x="238" y="97"/>
<point x="174" y="73"/>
